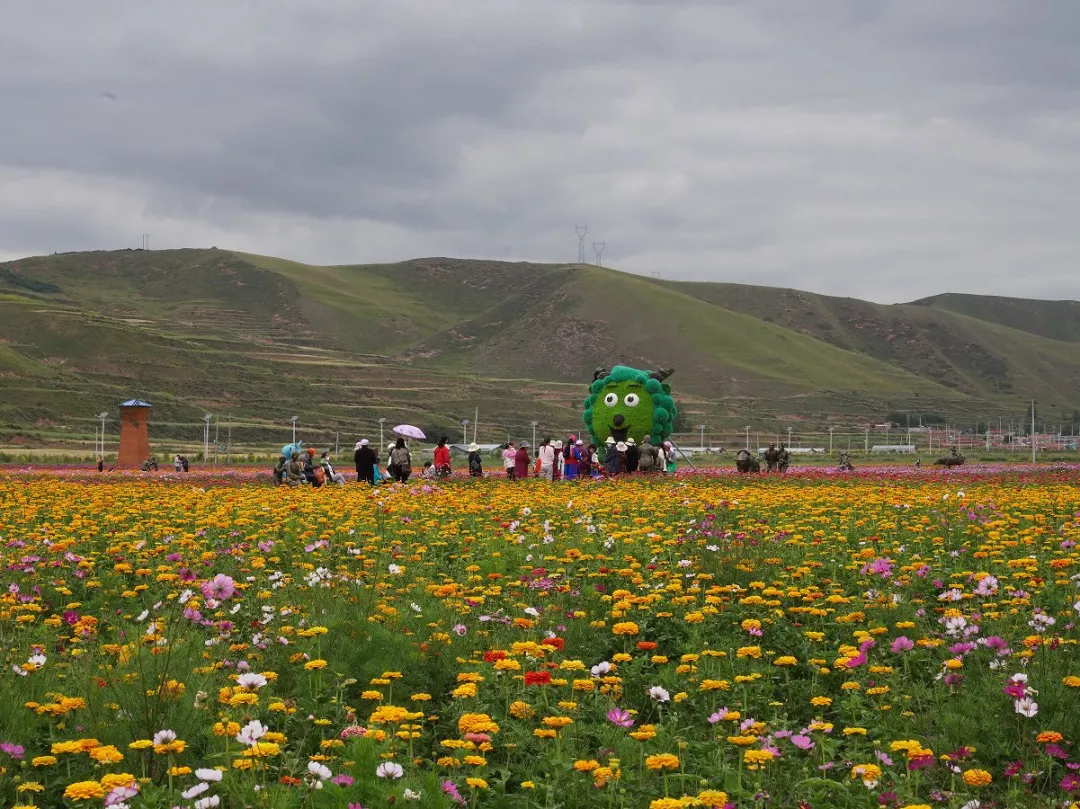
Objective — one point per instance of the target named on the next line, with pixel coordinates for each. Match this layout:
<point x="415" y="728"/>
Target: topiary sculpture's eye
<point x="632" y="400"/>
<point x="611" y="399"/>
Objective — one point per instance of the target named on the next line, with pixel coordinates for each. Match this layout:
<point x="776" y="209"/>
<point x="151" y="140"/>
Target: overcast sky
<point x="883" y="149"/>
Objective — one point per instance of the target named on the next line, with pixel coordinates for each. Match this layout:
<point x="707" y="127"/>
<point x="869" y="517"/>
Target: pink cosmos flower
<point x="617" y="716"/>
<point x="803" y="742"/>
<point x="902" y="644"/>
<point x="219" y="588"/>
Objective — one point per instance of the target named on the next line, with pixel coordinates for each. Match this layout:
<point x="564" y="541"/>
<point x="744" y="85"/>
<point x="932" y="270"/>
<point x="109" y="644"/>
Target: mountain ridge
<point x="433" y="338"/>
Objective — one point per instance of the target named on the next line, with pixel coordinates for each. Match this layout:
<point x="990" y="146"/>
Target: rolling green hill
<point x="430" y="340"/>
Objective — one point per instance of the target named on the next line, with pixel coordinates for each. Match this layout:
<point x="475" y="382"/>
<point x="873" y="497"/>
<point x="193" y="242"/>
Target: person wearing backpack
<point x="476" y="466"/>
<point x="401" y="461"/>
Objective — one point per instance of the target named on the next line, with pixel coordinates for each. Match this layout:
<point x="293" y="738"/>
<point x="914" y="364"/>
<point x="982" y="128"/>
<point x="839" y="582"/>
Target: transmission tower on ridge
<point x="581" y="231"/>
<point x="598" y="248"/>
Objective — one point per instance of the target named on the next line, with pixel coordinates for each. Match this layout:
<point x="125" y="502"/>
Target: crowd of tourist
<point x="558" y="460"/>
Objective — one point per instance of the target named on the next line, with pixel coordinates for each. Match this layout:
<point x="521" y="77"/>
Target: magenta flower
<point x="902" y="644"/>
<point x="802" y="742"/>
<point x="219" y="588"/>
<point x="1070" y="783"/>
<point x="16" y="751"/>
<point x="617" y="716"/>
<point x="342" y="780"/>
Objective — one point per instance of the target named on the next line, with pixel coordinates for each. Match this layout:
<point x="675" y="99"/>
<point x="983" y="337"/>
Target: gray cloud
<point x="886" y="149"/>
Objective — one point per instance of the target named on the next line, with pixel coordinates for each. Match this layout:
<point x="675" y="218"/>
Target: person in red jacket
<point x="442" y="459"/>
<point x="521" y="461"/>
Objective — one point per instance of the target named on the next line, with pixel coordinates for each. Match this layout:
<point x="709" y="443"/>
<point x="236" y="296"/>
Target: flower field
<point x="814" y="640"/>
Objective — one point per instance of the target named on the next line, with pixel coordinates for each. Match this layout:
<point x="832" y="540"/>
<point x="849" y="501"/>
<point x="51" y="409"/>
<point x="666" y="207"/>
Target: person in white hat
<point x="476" y="464"/>
<point x="620" y="458"/>
<point x="557" y="470"/>
<point x="365" y="459"/>
<point x="611" y="457"/>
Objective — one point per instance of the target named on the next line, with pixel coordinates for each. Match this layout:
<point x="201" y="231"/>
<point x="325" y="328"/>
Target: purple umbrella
<point x="408" y="431"/>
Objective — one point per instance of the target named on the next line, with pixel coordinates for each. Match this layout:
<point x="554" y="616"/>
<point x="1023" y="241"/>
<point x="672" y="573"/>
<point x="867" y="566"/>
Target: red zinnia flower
<point x="537" y="677"/>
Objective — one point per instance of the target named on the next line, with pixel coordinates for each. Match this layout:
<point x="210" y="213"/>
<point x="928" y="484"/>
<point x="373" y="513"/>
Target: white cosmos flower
<point x="207" y="774"/>
<point x="164" y="737"/>
<point x="251" y="732"/>
<point x="409" y="795"/>
<point x="659" y="693"/>
<point x="1026" y="706"/>
<point x="600" y="669"/>
<point x="251" y="680"/>
<point x="208" y="802"/>
<point x="389" y="769"/>
<point x="320" y="771"/>
<point x="195" y="791"/>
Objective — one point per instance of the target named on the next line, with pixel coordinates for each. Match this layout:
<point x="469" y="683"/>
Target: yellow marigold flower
<point x="714" y="685"/>
<point x="477" y="723"/>
<point x="557" y="721"/>
<point x="742" y="741"/>
<point x="756" y="759"/>
<point x="545" y="733"/>
<point x="694" y="617"/>
<point x="375" y="696"/>
<point x="1072" y="681"/>
<point x="625" y="628"/>
<point x="869" y="773"/>
<point x="43" y="761"/>
<point x="1049" y="737"/>
<point x="785" y="660"/>
<point x="821" y="702"/>
<point x="117" y="779"/>
<point x="84" y="791"/>
<point x="106" y="754"/>
<point x="421" y="697"/>
<point x="528" y="785"/>
<point x="315" y="665"/>
<point x="464" y="690"/>
<point x="176" y="772"/>
<point x="476" y="783"/>
<point x="583" y="765"/>
<point x="30" y="786"/>
<point x="475" y="761"/>
<point x="662" y="761"/>
<point x="977" y="778"/>
<point x="666" y="803"/>
<point x="712" y="798"/>
<point x="507" y="664"/>
<point x="854" y="731"/>
<point x="749" y="651"/>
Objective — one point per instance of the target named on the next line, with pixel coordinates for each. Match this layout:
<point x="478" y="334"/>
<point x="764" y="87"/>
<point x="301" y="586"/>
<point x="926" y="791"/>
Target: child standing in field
<point x="509" y="457"/>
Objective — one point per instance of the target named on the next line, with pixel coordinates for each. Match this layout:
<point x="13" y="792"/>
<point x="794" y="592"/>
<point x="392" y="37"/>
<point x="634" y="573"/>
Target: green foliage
<point x="628" y="403"/>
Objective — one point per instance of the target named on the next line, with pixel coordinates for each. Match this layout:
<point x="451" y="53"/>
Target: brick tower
<point x="134" y="434"/>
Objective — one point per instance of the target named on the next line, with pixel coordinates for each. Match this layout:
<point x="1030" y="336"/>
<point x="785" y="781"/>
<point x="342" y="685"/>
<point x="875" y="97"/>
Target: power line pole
<point x="598" y="248"/>
<point x="581" y="231"/>
<point x="702" y="428"/>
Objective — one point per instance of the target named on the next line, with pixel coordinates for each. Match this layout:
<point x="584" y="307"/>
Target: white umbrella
<point x="408" y="431"/>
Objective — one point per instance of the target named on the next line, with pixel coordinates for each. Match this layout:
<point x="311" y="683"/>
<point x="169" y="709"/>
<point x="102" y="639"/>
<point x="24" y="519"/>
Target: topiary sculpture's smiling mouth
<point x="619" y="433"/>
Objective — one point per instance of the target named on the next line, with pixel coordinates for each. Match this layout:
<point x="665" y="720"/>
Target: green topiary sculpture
<point x="628" y="403"/>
